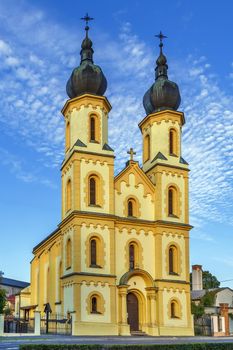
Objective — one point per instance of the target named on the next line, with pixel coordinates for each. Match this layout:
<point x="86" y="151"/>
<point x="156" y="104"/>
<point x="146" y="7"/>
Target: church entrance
<point x="132" y="309"/>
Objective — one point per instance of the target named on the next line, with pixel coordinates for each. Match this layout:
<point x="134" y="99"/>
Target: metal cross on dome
<point x="161" y="37"/>
<point x="131" y="152"/>
<point x="87" y="19"/>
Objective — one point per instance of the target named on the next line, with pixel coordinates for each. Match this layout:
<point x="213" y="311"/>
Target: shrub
<point x="193" y="346"/>
<point x="2" y="300"/>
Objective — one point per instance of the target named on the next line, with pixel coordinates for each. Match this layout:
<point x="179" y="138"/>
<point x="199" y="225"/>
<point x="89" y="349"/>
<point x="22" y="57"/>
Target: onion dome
<point x="163" y="94"/>
<point x="87" y="77"/>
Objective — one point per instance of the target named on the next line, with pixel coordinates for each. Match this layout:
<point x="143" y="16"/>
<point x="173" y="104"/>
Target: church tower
<point x="87" y="199"/>
<point x="162" y="158"/>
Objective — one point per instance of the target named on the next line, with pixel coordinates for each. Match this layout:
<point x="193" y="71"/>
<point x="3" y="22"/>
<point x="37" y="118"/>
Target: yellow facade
<point x="62" y="273"/>
<point x="119" y="259"/>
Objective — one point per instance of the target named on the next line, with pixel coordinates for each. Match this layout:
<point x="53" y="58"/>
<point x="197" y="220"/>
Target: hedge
<point x="193" y="346"/>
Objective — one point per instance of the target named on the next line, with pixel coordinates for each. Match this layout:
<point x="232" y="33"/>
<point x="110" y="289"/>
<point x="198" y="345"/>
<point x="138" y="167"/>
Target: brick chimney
<point x="197" y="277"/>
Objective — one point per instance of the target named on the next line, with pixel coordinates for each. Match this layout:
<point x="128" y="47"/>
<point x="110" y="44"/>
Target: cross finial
<point x="87" y="18"/>
<point x="161" y="37"/>
<point x="131" y="152"/>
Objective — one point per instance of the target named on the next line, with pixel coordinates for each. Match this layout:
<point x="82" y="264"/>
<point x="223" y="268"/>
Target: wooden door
<point x="132" y="309"/>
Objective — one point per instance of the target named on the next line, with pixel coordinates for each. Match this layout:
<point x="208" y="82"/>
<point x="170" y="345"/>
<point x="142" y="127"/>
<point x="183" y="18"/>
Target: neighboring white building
<point x="223" y="299"/>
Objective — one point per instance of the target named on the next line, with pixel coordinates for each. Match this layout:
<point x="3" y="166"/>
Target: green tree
<point x="2" y="300"/>
<point x="209" y="280"/>
<point x="208" y="299"/>
<point x="197" y="310"/>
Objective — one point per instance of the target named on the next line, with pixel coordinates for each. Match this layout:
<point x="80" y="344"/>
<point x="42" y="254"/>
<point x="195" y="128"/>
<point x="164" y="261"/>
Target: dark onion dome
<point x="163" y="94"/>
<point x="88" y="77"/>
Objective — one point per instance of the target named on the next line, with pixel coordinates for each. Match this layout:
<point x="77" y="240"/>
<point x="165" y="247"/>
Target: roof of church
<point x="163" y="94"/>
<point x="87" y="77"/>
<point x="8" y="282"/>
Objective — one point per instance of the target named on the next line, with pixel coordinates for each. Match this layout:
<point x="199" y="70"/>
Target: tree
<point x="3" y="300"/>
<point x="197" y="310"/>
<point x="209" y="280"/>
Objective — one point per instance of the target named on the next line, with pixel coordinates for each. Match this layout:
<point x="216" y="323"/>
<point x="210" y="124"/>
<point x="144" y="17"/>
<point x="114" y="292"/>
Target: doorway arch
<point x="133" y="311"/>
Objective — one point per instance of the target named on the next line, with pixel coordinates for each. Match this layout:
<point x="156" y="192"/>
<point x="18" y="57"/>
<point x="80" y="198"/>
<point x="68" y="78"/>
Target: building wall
<point x="69" y="288"/>
<point x="224" y="296"/>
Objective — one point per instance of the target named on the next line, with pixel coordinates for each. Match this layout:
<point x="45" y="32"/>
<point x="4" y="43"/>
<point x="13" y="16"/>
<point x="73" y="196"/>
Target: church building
<point x="119" y="259"/>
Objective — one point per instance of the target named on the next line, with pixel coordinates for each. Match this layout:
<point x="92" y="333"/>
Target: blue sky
<point x="39" y="46"/>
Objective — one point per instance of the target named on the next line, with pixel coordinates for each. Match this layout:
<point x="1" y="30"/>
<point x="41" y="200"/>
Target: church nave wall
<point x="68" y="297"/>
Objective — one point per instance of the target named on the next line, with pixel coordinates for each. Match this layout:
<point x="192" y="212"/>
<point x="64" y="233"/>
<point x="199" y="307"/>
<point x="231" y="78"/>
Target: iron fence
<point x="56" y="324"/>
<point x="18" y="325"/>
<point x="202" y="326"/>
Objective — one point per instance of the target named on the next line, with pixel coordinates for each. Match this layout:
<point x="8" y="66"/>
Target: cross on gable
<point x="131" y="152"/>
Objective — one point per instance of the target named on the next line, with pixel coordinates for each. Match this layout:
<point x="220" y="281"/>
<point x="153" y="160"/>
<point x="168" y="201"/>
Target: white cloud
<point x="4" y="48"/>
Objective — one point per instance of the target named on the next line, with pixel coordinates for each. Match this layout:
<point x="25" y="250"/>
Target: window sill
<point x="173" y="216"/>
<point x="96" y="266"/>
<point x="173" y="155"/>
<point x="68" y="268"/>
<point x="94" y="205"/>
<point x="57" y="303"/>
<point x="96" y="313"/>
<point x="94" y="141"/>
<point x="173" y="274"/>
<point x="175" y="317"/>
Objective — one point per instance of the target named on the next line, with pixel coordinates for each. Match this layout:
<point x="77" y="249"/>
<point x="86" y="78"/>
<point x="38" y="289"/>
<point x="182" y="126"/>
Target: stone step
<point x="138" y="333"/>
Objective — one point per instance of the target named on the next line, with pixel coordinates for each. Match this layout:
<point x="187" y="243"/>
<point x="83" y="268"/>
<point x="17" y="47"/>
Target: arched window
<point x="92" y="129"/>
<point x="173" y="260"/>
<point x="68" y="254"/>
<point x="37" y="286"/>
<point x="93" y="253"/>
<point x="146" y="149"/>
<point x="173" y="142"/>
<point x="67" y="136"/>
<point x="48" y="285"/>
<point x="94" y="308"/>
<point x="174" y="309"/>
<point x="131" y="256"/>
<point x="172" y="201"/>
<point x="92" y="191"/>
<point x="68" y="195"/>
<point x="130" y="208"/>
<point x="59" y="283"/>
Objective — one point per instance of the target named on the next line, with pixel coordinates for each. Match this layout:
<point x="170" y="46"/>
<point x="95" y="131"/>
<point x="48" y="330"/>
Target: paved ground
<point x="8" y="343"/>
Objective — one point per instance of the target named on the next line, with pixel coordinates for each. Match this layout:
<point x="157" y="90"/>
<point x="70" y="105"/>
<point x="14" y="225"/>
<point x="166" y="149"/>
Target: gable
<point x="140" y="178"/>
